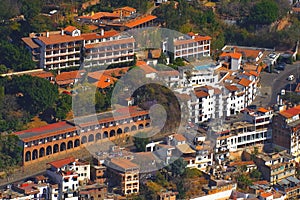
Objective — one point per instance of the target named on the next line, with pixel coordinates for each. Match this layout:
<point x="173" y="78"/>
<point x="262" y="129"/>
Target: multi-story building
<point x="95" y="192"/>
<point x="253" y="131"/>
<point x="273" y="166"/>
<point x="50" y="140"/>
<point x="116" y="49"/>
<point x="69" y="48"/>
<point x="191" y="46"/>
<point x="62" y="172"/>
<point x="290" y="186"/>
<point x="123" y="174"/>
<point x="206" y="103"/>
<point x="285" y="133"/>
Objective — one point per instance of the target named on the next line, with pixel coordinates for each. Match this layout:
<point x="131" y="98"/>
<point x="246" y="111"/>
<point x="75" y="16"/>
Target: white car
<point x="291" y="77"/>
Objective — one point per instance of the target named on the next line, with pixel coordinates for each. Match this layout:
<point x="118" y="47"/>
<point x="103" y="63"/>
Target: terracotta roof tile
<point x="197" y="38"/>
<point x="146" y="68"/>
<point x="42" y="74"/>
<point x="231" y="87"/>
<point x="60" y="163"/>
<point x="245" y="82"/>
<point x="234" y="55"/>
<point x="105" y="81"/>
<point x="263" y="110"/>
<point x="201" y="94"/>
<point x="29" y="42"/>
<point x="124" y="163"/>
<point x="266" y="194"/>
<point x="49" y="130"/>
<point x="127" y="8"/>
<point x="99" y="15"/>
<point x="291" y="112"/>
<point x="168" y="73"/>
<point x="72" y="75"/>
<point x="241" y="163"/>
<point x="248" y="52"/>
<point x="138" y="21"/>
<point x="179" y="137"/>
<point x="70" y="29"/>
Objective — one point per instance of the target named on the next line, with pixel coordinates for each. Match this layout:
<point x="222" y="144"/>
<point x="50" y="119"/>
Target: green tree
<point x="256" y="174"/>
<point x="15" y="57"/>
<point x="63" y="106"/>
<point x="177" y="167"/>
<point x="10" y="151"/>
<point x="140" y="141"/>
<point x="35" y="94"/>
<point x="264" y="13"/>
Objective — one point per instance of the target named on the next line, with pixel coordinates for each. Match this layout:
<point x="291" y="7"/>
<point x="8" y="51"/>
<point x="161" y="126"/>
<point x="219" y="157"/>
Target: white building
<point x="191" y="46"/>
<point x="67" y="173"/>
<point x="254" y="130"/>
<point x="71" y="48"/>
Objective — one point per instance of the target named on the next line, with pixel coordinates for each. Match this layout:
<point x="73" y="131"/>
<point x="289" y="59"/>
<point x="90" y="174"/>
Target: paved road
<point x="272" y="83"/>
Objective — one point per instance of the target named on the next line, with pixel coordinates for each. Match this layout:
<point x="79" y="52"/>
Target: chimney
<point x="47" y="34"/>
<point x="102" y="32"/>
<point x="62" y="32"/>
<point x="58" y="72"/>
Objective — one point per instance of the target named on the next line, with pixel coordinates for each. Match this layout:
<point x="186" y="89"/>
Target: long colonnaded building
<point x="50" y="140"/>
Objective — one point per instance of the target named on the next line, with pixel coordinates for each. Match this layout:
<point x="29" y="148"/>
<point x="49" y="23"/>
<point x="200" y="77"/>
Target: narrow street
<point x="272" y="83"/>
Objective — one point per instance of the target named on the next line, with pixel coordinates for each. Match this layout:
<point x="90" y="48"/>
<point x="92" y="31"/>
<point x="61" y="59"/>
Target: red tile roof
<point x="146" y="68"/>
<point x="49" y="130"/>
<point x="241" y="163"/>
<point x="248" y="52"/>
<point x="127" y="8"/>
<point x="105" y="81"/>
<point x="99" y="15"/>
<point x="123" y="163"/>
<point x="197" y="38"/>
<point x="92" y="36"/>
<point x="263" y="110"/>
<point x="138" y="21"/>
<point x="245" y="82"/>
<point x="201" y="94"/>
<point x="291" y="112"/>
<point x="29" y="42"/>
<point x="179" y="137"/>
<point x="67" y="76"/>
<point x="168" y="73"/>
<point x="60" y="163"/>
<point x="42" y="74"/>
<point x="266" y="194"/>
<point x="231" y="87"/>
<point x="70" y="29"/>
<point x="234" y="55"/>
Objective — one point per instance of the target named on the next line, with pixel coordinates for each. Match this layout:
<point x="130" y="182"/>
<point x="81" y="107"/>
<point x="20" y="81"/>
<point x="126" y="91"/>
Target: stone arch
<point x="112" y="133"/>
<point x="55" y="148"/>
<point x="98" y="136"/>
<point x="62" y="146"/>
<point x="76" y="143"/>
<point x="35" y="154"/>
<point x="119" y="131"/>
<point x="42" y="152"/>
<point x="147" y="125"/>
<point x="105" y="134"/>
<point x="48" y="150"/>
<point x="27" y="156"/>
<point x="83" y="140"/>
<point x="133" y="128"/>
<point x="128" y="191"/>
<point x="141" y="126"/>
<point x="91" y="138"/>
<point x="70" y="145"/>
<point x="126" y="129"/>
